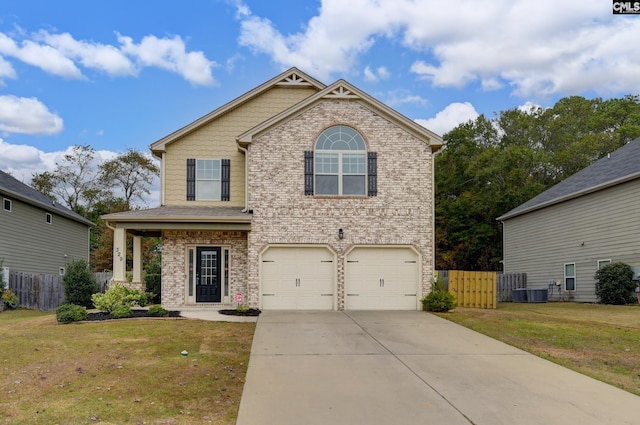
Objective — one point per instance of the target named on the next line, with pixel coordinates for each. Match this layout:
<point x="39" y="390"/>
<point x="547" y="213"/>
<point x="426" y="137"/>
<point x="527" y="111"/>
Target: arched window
<point x="339" y="165"/>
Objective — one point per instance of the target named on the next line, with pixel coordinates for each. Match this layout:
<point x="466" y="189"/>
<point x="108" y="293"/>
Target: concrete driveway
<point x="413" y="368"/>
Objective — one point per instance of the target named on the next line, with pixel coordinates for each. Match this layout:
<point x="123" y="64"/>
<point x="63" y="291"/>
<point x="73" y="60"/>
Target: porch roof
<point x="151" y="222"/>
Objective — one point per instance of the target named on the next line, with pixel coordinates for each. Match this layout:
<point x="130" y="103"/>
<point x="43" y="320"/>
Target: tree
<point x="490" y="166"/>
<point x="74" y="181"/>
<point x="131" y="172"/>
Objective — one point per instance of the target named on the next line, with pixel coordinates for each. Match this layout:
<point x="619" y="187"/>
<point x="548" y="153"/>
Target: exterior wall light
<point x="340" y="233"/>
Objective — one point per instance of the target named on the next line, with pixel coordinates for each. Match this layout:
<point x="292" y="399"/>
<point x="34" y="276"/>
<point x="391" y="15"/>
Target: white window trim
<point x="575" y="281"/>
<point x="598" y="267"/>
<point x="341" y="174"/>
<point x="48" y="218"/>
<point x="217" y="181"/>
<point x="4" y="201"/>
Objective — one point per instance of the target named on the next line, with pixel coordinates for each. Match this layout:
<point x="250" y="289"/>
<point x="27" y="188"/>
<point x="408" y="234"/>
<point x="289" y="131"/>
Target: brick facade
<point x="174" y="262"/>
<point x="401" y="214"/>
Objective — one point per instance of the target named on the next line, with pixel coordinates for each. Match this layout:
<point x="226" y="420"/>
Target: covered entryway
<point x="382" y="278"/>
<point x="297" y="278"/>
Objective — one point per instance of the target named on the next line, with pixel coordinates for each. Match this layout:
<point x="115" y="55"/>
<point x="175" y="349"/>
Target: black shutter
<point x="191" y="179"/>
<point x="225" y="180"/>
<point x="372" y="173"/>
<point x="308" y="172"/>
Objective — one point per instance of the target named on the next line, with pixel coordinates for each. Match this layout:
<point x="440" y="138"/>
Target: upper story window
<point x="340" y="165"/>
<point x="208" y="179"/>
<point x="6" y="204"/>
<point x="48" y="218"/>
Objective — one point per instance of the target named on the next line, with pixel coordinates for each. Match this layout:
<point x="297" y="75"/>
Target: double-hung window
<point x="208" y="179"/>
<point x="570" y="277"/>
<point x="340" y="165"/>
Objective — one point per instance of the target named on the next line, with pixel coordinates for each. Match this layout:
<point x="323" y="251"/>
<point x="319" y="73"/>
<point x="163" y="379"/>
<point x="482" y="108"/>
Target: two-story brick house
<point x="296" y="195"/>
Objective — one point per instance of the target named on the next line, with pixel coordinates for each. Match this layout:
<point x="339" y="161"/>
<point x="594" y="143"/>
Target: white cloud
<point x="171" y="55"/>
<point x="63" y="55"/>
<point x="381" y="73"/>
<point x="537" y="48"/>
<point x="450" y="117"/>
<point x="27" y="116"/>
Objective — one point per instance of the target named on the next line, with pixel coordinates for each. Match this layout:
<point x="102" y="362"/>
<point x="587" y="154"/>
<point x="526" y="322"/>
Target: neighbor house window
<point x="6" y="204"/>
<point x="48" y="218"/>
<point x="61" y="271"/>
<point x="602" y="263"/>
<point x="208" y="179"/>
<point x="570" y="277"/>
<point x="340" y="165"/>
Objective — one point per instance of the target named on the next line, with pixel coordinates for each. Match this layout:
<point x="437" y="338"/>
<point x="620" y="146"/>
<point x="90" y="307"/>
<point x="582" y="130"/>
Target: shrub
<point x="614" y="284"/>
<point x="439" y="300"/>
<point x="68" y="313"/>
<point x="79" y="284"/>
<point x="157" y="311"/>
<point x="118" y="295"/>
<point x="153" y="281"/>
<point x="9" y="298"/>
<point x="121" y="312"/>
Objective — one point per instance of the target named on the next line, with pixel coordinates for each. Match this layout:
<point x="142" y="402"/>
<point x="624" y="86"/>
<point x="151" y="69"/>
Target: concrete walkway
<point x="411" y="368"/>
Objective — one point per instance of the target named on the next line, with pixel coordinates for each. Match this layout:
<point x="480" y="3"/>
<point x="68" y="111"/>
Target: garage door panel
<point x="382" y="279"/>
<point x="298" y="279"/>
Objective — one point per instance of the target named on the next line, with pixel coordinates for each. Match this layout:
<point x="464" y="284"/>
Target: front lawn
<point x="128" y="371"/>
<point x="597" y="340"/>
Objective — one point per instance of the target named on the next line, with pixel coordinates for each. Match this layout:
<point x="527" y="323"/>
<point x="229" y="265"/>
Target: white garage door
<point x="298" y="278"/>
<point x="382" y="279"/>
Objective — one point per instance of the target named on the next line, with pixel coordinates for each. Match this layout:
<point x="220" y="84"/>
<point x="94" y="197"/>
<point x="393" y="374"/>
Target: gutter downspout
<point x="246" y="177"/>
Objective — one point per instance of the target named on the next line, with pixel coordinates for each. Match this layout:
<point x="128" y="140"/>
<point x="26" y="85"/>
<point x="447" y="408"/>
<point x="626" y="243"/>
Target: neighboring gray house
<point x="584" y="222"/>
<point x="38" y="235"/>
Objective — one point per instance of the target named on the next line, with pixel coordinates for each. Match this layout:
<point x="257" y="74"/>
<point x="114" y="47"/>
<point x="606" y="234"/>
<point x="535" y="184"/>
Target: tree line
<point x="92" y="188"/>
<point x="489" y="166"/>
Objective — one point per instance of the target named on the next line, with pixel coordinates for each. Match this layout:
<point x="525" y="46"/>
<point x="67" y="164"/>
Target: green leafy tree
<point x="130" y="173"/>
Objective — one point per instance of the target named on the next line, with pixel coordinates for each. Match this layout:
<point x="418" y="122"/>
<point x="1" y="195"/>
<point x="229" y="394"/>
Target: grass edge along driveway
<point x="127" y="371"/>
<point x="599" y="341"/>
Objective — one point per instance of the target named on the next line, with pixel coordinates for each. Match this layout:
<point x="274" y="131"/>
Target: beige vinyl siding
<point x="601" y="225"/>
<point x="217" y="140"/>
<point x="29" y="244"/>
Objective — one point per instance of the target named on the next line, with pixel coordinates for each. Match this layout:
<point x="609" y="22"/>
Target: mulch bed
<point x="103" y="315"/>
<point x="250" y="312"/>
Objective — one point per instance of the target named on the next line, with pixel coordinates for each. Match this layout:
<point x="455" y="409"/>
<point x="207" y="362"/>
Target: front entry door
<point x="208" y="265"/>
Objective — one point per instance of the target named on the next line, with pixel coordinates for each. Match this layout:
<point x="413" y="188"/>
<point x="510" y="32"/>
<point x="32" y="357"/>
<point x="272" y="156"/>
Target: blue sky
<point x="122" y="74"/>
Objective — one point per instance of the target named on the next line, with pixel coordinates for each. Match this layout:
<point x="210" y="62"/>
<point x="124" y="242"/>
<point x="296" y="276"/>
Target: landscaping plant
<point x="79" y="284"/>
<point x="439" y="300"/>
<point x="614" y="284"/>
<point x="68" y="313"/>
<point x="118" y="296"/>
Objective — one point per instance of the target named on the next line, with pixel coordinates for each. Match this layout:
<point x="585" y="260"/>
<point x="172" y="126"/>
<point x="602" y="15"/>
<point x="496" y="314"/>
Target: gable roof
<point x="341" y="89"/>
<point x="293" y="78"/>
<point x="620" y="166"/>
<point x="14" y="188"/>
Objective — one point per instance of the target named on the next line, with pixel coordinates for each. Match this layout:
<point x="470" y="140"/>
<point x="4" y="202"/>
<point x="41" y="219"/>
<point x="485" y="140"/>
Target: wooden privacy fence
<point x="471" y="289"/>
<point x="45" y="291"/>
<point x="507" y="282"/>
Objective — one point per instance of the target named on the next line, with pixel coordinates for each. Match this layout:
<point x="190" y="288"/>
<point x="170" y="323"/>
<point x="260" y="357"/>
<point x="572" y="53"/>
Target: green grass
<point x="597" y="340"/>
<point x="127" y="371"/>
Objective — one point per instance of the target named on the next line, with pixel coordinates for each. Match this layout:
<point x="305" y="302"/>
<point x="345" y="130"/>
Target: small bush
<point x="153" y="280"/>
<point x="117" y="296"/>
<point x="158" y="311"/>
<point x="68" y="313"/>
<point x="79" y="284"/>
<point x="614" y="284"/>
<point x="121" y="312"/>
<point x="9" y="298"/>
<point x="439" y="300"/>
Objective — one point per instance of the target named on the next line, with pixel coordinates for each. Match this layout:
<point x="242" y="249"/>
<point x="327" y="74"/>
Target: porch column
<point x="119" y="255"/>
<point x="137" y="259"/>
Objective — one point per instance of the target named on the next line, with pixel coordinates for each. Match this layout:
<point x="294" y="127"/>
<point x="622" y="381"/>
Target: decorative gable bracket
<point x="341" y="92"/>
<point x="293" y="79"/>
